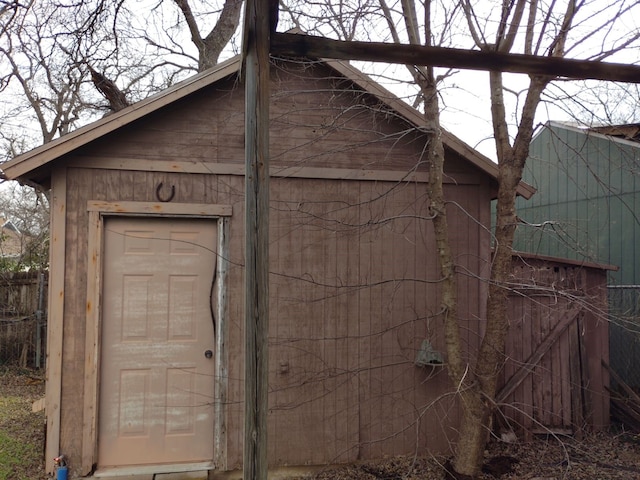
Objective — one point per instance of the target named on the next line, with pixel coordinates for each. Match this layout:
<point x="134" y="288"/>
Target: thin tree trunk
<point x="478" y="402"/>
<point x="437" y="206"/>
<point x="471" y="444"/>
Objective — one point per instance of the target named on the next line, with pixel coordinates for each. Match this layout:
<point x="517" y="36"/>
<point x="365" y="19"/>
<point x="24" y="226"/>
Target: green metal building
<point x="588" y="208"/>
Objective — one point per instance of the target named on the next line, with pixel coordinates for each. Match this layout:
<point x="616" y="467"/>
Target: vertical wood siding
<point x="353" y="271"/>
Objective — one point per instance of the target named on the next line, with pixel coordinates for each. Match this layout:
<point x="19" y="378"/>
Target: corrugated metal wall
<point x="588" y="202"/>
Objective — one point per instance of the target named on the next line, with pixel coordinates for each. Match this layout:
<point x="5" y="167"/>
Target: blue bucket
<point x="62" y="473"/>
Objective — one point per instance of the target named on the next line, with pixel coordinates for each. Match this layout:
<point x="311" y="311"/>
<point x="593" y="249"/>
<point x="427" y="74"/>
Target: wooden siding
<point x="315" y="121"/>
<point x="353" y="270"/>
<point x="352" y="264"/>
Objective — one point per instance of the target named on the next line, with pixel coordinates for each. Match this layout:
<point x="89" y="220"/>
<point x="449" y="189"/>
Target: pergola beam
<point x="297" y="45"/>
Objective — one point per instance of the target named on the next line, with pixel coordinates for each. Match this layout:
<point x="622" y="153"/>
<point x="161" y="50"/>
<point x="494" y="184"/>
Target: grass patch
<point x="14" y="456"/>
<point x="21" y="430"/>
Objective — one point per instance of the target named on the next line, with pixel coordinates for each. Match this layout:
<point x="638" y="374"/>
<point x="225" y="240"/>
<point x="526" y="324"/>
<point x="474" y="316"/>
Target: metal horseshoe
<point x="160" y="199"/>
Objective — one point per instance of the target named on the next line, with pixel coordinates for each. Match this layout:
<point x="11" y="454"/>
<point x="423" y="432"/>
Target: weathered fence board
<point x="558" y="311"/>
<point x="23" y="300"/>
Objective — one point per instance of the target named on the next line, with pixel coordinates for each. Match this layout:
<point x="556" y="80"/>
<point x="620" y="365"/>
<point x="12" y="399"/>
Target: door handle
<point x="208" y="353"/>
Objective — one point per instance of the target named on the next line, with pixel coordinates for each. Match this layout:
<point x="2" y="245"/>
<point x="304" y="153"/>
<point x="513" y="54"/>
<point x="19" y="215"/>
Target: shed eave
<point x="566" y="261"/>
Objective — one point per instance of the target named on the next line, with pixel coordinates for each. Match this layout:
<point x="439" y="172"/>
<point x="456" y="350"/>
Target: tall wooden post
<point x="256" y="72"/>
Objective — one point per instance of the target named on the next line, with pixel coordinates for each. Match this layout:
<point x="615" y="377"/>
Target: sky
<point x="465" y="105"/>
<point x="465" y="108"/>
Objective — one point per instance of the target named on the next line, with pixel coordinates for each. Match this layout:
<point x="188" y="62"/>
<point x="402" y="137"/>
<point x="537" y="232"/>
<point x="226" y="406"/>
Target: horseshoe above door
<point x="170" y="197"/>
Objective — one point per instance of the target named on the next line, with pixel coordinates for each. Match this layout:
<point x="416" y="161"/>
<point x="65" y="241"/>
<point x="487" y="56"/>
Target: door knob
<point x="208" y="353"/>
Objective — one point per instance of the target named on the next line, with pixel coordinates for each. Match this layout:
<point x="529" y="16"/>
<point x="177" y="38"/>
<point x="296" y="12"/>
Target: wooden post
<point x="256" y="73"/>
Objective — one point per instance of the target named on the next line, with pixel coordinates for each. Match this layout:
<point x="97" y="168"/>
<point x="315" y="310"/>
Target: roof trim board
<point x="565" y="261"/>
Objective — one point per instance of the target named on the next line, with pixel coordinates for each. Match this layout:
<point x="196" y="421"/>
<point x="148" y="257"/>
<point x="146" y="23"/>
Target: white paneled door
<point x="157" y="361"/>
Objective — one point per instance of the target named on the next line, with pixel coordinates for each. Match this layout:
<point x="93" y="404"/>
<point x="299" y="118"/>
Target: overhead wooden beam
<point x="256" y="72"/>
<point x="292" y="44"/>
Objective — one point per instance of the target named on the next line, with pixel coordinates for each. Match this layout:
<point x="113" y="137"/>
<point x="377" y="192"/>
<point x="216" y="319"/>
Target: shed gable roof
<point x="41" y="157"/>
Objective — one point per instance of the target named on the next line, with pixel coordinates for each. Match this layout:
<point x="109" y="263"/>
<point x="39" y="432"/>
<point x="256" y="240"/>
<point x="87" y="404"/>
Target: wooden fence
<point x="553" y="380"/>
<point x="23" y="318"/>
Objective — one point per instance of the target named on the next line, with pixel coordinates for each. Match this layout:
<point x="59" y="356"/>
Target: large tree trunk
<point x="210" y="47"/>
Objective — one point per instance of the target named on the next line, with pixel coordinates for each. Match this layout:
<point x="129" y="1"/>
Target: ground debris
<point x="603" y="456"/>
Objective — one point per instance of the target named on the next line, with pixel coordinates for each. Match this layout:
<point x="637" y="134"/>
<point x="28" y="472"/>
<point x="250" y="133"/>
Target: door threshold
<point x="150" y="471"/>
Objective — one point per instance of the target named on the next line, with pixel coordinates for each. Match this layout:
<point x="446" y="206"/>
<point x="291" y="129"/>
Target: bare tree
<point x="532" y="28"/>
<point x="63" y="64"/>
<point x="211" y="45"/>
<point x="25" y="212"/>
<point x="36" y="71"/>
<point x="62" y="61"/>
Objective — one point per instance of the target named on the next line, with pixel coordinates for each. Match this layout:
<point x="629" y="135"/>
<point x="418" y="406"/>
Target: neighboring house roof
<point x="10" y="239"/>
<point x="627" y="134"/>
<point x="19" y="167"/>
<point x="629" y="131"/>
<point x="9" y="225"/>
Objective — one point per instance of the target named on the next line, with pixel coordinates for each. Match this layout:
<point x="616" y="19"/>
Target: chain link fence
<point x="624" y="332"/>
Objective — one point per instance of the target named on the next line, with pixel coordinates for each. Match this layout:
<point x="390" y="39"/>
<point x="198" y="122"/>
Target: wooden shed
<point x="145" y="360"/>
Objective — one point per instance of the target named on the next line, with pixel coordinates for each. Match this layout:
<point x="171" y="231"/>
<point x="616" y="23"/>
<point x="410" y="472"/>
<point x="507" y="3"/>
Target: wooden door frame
<point x="98" y="210"/>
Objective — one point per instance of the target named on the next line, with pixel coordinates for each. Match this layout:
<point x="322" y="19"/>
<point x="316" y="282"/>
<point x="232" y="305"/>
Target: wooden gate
<point x="553" y="380"/>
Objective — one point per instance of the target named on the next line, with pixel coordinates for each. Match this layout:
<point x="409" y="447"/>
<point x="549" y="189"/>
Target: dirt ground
<point x="599" y="457"/>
